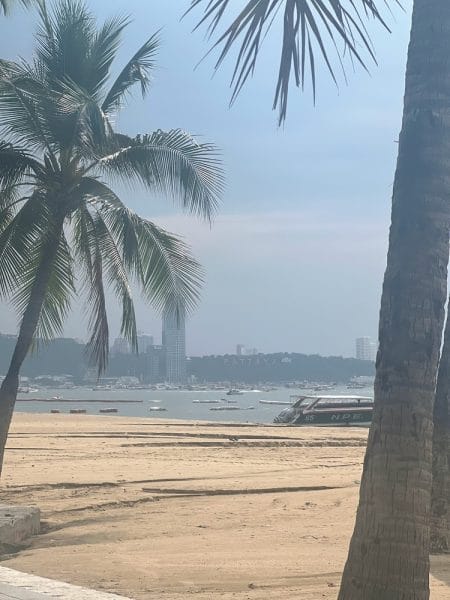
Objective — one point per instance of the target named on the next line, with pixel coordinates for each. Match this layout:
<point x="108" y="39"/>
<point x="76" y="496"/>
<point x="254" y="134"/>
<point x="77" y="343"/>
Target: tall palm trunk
<point x="389" y="551"/>
<point x="440" y="530"/>
<point x="9" y="387"/>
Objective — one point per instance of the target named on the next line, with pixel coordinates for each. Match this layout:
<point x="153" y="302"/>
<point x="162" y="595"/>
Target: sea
<point x="178" y="404"/>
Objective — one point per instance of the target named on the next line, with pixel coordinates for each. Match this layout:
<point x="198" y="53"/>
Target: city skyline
<point x="310" y="233"/>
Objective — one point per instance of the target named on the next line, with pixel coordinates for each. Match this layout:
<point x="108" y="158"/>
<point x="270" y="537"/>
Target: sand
<point x="168" y="509"/>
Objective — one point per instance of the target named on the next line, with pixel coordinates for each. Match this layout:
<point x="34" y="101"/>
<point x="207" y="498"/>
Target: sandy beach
<point x="156" y="509"/>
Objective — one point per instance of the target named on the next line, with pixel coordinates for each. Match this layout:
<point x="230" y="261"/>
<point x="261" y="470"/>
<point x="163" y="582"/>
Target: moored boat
<point x="279" y="402"/>
<point x="234" y="392"/>
<point x="328" y="410"/>
<point x="205" y="401"/>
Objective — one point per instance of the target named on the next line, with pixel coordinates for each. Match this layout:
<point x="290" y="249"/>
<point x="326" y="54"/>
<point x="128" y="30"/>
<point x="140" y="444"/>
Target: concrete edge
<point x="49" y="588"/>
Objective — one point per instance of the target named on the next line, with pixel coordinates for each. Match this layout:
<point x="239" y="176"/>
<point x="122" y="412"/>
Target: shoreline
<point x="164" y="508"/>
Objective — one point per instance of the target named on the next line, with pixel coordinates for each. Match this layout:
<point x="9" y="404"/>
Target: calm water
<point x="178" y="404"/>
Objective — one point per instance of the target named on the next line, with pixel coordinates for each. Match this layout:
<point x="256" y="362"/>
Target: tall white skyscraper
<point x="366" y="349"/>
<point x="174" y="344"/>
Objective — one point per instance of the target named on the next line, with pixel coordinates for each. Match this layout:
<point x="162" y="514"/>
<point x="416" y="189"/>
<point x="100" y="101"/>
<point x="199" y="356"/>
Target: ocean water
<point x="178" y="404"/>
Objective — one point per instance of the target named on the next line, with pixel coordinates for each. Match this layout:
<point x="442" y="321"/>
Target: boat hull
<point x="334" y="418"/>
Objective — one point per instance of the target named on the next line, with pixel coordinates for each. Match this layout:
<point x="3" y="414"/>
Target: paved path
<point x="15" y="585"/>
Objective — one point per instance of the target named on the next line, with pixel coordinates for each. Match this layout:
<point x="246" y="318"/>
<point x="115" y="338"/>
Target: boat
<point x="157" y="409"/>
<point x="225" y="408"/>
<point x="108" y="410"/>
<point x="280" y="402"/>
<point x="328" y="410"/>
<point x="205" y="401"/>
<point x="234" y="392"/>
<point x="229" y="400"/>
<point x="55" y="398"/>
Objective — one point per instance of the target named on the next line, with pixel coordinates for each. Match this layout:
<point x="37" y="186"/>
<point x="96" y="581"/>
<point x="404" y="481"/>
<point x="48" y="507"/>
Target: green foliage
<point x="7" y="5"/>
<point x="310" y="28"/>
<point x="59" y="158"/>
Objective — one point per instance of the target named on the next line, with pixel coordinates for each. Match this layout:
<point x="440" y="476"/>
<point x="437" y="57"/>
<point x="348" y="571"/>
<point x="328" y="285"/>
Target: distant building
<point x="365" y="349"/>
<point x="240" y="348"/>
<point x="251" y="351"/>
<point x="121" y="346"/>
<point x="174" y="344"/>
<point x="154" y="364"/>
<point x="145" y="342"/>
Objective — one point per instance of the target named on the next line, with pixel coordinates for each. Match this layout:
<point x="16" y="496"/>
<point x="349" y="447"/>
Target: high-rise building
<point x="145" y="342"/>
<point x="121" y="346"/>
<point x="240" y="348"/>
<point x="365" y="349"/>
<point x="174" y="344"/>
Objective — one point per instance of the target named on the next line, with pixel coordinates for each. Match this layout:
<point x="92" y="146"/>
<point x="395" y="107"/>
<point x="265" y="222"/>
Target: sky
<point x="294" y="260"/>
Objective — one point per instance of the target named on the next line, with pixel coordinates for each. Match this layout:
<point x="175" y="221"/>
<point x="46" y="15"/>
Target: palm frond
<point x="116" y="274"/>
<point x="309" y="27"/>
<point x="59" y="291"/>
<point x="162" y="262"/>
<point x="172" y="163"/>
<point x="137" y="70"/>
<point x="21" y="230"/>
<point x="6" y="6"/>
<point x="15" y="165"/>
<point x="21" y="98"/>
<point x="88" y="251"/>
<point x="78" y="124"/>
<point x="64" y="42"/>
<point x="103" y="51"/>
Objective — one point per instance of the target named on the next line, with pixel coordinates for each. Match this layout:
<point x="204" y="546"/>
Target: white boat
<point x="278" y="402"/>
<point x="157" y="409"/>
<point x="225" y="408"/>
<point x="234" y="392"/>
<point x="205" y="401"/>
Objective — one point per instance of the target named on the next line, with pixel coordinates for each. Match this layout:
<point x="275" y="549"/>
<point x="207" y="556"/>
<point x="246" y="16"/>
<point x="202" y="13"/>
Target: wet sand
<point x="156" y="509"/>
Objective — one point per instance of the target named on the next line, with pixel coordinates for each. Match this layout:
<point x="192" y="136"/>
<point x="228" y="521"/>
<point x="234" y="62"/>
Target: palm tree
<point x="389" y="550"/>
<point x="62" y="227"/>
<point x="440" y="494"/>
<point x="7" y="5"/>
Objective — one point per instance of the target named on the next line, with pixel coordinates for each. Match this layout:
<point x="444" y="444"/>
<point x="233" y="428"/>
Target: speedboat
<point x="328" y="410"/>
<point x="234" y="392"/>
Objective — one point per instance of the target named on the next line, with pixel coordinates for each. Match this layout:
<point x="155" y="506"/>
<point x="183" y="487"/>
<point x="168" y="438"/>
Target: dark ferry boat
<point x="328" y="410"/>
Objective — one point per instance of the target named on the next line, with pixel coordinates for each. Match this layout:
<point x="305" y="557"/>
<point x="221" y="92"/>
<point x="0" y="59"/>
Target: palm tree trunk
<point x="440" y="531"/>
<point x="389" y="552"/>
<point x="9" y="387"/>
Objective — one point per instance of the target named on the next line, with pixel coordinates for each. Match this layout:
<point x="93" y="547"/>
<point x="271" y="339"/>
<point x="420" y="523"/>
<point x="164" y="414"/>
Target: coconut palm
<point x="389" y="550"/>
<point x="63" y="228"/>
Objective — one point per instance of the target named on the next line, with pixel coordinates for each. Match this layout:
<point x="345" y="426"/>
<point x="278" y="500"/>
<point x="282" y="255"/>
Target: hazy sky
<point x="295" y="258"/>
